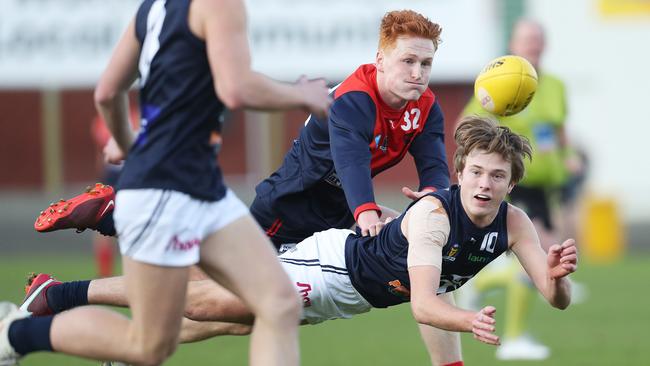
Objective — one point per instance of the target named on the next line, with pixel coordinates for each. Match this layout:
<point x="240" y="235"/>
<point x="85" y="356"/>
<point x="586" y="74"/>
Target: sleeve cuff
<point x="366" y="207"/>
<point x="432" y="189"/>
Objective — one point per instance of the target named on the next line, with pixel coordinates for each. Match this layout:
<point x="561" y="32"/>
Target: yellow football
<point x="506" y="85"/>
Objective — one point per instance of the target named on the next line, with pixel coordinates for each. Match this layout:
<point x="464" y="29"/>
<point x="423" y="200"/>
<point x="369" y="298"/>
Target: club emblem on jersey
<point x="396" y="288"/>
<point x="453" y="252"/>
<point x="384" y="144"/>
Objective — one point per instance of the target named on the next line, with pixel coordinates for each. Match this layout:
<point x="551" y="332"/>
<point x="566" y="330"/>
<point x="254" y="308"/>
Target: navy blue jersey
<point x="325" y="179"/>
<point x="179" y="107"/>
<point x="378" y="268"/>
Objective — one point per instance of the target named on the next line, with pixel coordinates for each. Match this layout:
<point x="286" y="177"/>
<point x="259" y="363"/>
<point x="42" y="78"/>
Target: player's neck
<point x="480" y="221"/>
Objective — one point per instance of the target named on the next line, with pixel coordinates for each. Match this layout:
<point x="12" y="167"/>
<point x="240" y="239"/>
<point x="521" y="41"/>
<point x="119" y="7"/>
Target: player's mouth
<point x="482" y="198"/>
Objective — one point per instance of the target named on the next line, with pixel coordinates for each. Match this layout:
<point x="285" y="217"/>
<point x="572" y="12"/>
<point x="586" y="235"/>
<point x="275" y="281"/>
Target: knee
<point x="155" y="352"/>
<point x="282" y="306"/>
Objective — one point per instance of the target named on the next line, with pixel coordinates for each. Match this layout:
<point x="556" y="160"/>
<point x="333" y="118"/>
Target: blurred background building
<point x="53" y="51"/>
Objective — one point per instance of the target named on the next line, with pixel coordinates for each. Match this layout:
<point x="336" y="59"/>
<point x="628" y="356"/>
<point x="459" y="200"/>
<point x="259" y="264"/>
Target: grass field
<point x="609" y="329"/>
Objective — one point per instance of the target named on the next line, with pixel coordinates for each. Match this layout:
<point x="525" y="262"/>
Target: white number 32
<point x="411" y="120"/>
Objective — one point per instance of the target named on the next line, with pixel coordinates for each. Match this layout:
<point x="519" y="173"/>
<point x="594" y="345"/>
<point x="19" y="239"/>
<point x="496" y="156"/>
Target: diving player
<point x="440" y="242"/>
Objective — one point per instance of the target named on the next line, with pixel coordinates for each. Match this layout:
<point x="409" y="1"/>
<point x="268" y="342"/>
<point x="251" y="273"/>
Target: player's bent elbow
<point x="419" y="313"/>
<point x="104" y="96"/>
<point x="231" y="96"/>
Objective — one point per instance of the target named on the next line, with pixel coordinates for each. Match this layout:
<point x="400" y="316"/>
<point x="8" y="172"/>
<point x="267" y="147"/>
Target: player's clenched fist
<point x="316" y="95"/>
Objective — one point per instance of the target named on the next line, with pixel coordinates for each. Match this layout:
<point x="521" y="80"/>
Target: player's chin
<point x="413" y="93"/>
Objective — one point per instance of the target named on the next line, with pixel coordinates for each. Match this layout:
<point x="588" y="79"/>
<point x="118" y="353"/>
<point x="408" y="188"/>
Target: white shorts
<point x="165" y="228"/>
<point x="316" y="266"/>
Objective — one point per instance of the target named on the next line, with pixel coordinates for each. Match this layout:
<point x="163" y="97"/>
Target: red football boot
<point x="81" y="212"/>
<point x="35" y="301"/>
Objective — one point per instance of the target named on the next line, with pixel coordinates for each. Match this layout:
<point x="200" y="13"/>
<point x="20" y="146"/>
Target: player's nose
<point x="416" y="72"/>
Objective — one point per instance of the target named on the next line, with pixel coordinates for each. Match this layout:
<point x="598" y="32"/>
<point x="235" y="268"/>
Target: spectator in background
<point x="543" y="123"/>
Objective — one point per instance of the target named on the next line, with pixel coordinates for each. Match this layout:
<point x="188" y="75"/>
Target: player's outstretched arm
<point x="426" y="226"/>
<point x="548" y="271"/>
<point x="222" y="24"/>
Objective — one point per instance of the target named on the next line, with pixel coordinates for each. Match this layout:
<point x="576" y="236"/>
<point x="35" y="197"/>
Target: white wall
<point x="67" y="43"/>
<point x="605" y="62"/>
<point x="290" y="37"/>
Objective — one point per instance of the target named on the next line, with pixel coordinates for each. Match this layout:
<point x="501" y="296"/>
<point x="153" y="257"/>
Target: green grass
<point x="609" y="329"/>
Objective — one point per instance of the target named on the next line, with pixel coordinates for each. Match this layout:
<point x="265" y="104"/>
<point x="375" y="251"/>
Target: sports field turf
<point x="611" y="328"/>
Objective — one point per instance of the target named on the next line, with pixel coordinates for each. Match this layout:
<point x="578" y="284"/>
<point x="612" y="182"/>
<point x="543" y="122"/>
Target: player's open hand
<point x="409" y="193"/>
<point x="316" y="96"/>
<point x="562" y="259"/>
<point x="112" y="153"/>
<point x="483" y="326"/>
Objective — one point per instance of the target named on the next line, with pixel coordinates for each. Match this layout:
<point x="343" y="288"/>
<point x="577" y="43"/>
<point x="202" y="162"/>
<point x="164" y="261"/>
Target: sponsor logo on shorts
<point x="304" y="290"/>
<point x="176" y="244"/>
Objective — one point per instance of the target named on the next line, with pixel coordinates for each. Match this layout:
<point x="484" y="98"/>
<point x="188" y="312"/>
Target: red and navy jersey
<point x="325" y="180"/>
<point x="179" y="107"/>
<point x="378" y="265"/>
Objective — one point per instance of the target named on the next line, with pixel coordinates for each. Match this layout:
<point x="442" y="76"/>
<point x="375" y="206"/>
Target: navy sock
<point x="67" y="295"/>
<point x="106" y="226"/>
<point x="31" y="334"/>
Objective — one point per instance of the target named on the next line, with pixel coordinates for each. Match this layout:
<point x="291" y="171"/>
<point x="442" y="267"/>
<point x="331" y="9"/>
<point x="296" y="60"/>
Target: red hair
<point x="407" y="23"/>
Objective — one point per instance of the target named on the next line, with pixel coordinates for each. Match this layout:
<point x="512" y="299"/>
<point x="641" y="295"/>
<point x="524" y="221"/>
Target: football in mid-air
<point x="506" y="85"/>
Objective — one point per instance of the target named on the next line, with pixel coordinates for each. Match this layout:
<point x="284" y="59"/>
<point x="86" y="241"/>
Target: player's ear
<point x="510" y="187"/>
<point x="379" y="60"/>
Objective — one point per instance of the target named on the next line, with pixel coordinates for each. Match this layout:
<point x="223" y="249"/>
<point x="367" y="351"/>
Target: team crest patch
<point x="453" y="252"/>
<point x="381" y="145"/>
